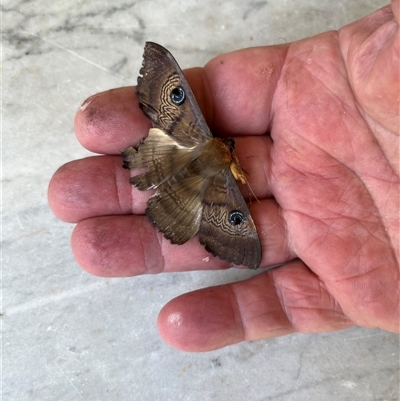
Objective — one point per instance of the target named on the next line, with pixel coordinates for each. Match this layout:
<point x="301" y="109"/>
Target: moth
<point x="193" y="172"/>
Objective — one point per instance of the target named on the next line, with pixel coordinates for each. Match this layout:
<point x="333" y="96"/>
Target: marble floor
<point x="70" y="336"/>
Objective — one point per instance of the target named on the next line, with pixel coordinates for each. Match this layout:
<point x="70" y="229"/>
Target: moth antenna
<point x="249" y="188"/>
<point x="240" y="174"/>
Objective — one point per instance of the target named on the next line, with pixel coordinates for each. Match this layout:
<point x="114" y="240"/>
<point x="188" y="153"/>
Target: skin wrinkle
<point x="367" y="119"/>
<point x="251" y="172"/>
<point x="273" y="106"/>
<point x="329" y="233"/>
<point x="373" y="233"/>
<point x="265" y="165"/>
<point x="237" y="306"/>
<point x="145" y="254"/>
<point x="163" y="244"/>
<point x="356" y="275"/>
<point x="361" y="175"/>
<point x="118" y="188"/>
<point x="376" y="177"/>
<point x="159" y="267"/>
<point x="381" y="221"/>
<point x="288" y="238"/>
<point x="303" y="56"/>
<point x="308" y="142"/>
<point x="132" y="202"/>
<point x="372" y="303"/>
<point x="336" y="215"/>
<point x="337" y="310"/>
<point x="287" y="310"/>
<point x="306" y="66"/>
<point x="284" y="252"/>
<point x="372" y="48"/>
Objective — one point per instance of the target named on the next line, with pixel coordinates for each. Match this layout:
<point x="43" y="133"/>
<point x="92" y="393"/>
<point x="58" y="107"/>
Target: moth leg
<point x="129" y="156"/>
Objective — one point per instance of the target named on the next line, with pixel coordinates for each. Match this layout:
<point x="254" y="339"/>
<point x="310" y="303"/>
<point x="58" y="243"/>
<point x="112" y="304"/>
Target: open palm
<point x="316" y="129"/>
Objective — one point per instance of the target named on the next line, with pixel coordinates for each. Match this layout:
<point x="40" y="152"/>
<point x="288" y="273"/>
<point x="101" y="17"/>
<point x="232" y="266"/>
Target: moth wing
<point x="161" y="74"/>
<point x="232" y="239"/>
<point x="161" y="154"/>
<point x="176" y="208"/>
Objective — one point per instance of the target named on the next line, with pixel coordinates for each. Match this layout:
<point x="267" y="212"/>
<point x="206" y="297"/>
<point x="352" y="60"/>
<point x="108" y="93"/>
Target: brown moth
<point x="193" y="172"/>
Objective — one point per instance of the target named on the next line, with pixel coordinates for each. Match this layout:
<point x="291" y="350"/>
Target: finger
<point x="93" y="186"/>
<point x="271" y="304"/>
<point x="120" y="246"/>
<point x="241" y="89"/>
<point x="97" y="186"/>
<point x="234" y="91"/>
<point x="111" y="121"/>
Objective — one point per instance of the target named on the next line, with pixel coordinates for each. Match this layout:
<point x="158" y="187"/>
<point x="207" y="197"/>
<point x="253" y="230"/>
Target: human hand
<point x="316" y="128"/>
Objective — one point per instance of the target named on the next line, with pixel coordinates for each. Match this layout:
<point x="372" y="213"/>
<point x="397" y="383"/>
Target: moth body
<point x="215" y="155"/>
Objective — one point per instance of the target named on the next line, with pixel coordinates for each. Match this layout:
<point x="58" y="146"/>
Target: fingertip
<point x="110" y="121"/>
<point x="91" y="122"/>
<point x="85" y="248"/>
<point x="201" y="320"/>
<point x="97" y="245"/>
<point x="59" y="198"/>
<point x="117" y="246"/>
<point x="91" y="243"/>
